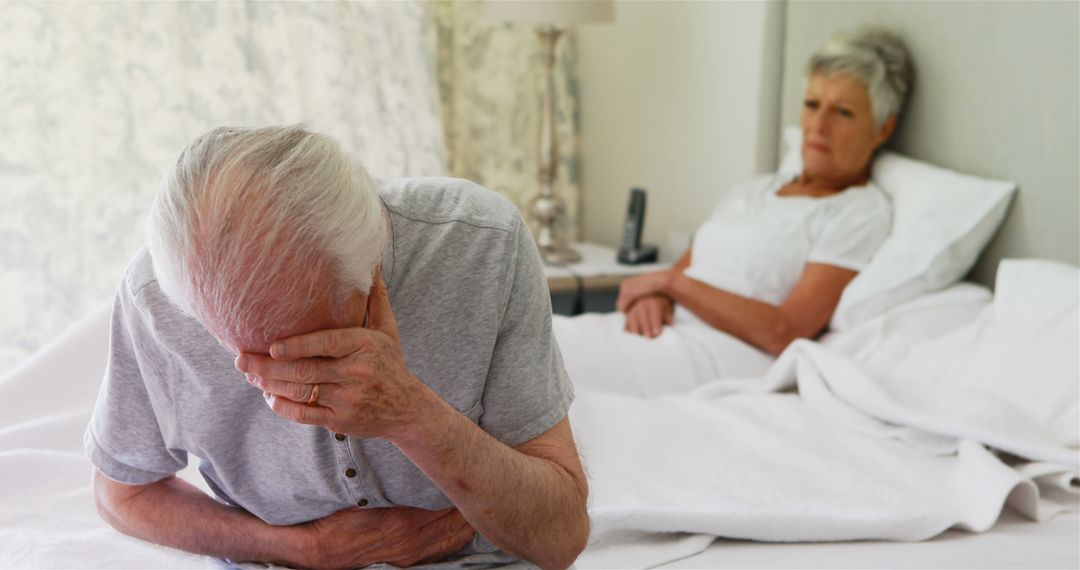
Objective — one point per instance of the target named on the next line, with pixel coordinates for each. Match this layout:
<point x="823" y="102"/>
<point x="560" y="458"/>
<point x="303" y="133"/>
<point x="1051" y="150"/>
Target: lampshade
<point x="564" y="12"/>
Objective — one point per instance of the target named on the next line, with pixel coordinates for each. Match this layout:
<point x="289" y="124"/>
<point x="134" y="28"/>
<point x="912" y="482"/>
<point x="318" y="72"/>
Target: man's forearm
<point x="174" y="513"/>
<point x="529" y="506"/>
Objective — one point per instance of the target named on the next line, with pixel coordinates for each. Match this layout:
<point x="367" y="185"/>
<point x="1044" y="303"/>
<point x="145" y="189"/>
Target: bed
<point x="790" y="483"/>
<point x="933" y="426"/>
<point x="963" y="506"/>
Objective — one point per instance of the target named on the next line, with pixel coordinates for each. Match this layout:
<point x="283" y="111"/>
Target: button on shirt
<point x="466" y="286"/>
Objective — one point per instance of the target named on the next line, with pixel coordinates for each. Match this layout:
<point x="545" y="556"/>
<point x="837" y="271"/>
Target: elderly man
<point x="366" y="370"/>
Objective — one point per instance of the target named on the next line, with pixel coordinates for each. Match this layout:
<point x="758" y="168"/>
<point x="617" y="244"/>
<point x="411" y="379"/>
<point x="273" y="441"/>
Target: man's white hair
<point x="254" y="226"/>
<point x="877" y="58"/>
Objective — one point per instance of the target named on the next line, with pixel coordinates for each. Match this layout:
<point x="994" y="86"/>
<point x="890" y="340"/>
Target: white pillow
<point x="942" y="220"/>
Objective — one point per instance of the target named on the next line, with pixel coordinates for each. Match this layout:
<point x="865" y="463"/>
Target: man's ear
<point x="886" y="130"/>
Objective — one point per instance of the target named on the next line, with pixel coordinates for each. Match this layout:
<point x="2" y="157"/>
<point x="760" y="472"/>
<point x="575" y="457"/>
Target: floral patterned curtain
<point x="98" y="98"/>
<point x="490" y="85"/>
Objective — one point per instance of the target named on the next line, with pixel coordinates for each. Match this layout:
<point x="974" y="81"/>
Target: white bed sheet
<point x="47" y="514"/>
<point x="1014" y="542"/>
<point x="47" y="518"/>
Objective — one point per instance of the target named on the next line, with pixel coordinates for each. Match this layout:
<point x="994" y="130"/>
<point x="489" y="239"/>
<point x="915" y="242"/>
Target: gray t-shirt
<point x="467" y="288"/>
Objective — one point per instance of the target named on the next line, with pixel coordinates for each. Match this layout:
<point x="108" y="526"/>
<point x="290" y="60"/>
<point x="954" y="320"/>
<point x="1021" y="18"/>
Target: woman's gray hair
<point x="876" y="57"/>
<point x="254" y="226"/>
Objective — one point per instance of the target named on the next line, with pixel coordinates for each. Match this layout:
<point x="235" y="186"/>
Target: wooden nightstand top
<point x="597" y="269"/>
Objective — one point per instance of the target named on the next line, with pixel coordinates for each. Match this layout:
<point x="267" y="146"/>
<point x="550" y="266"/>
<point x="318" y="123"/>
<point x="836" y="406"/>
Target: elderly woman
<point x="771" y="262"/>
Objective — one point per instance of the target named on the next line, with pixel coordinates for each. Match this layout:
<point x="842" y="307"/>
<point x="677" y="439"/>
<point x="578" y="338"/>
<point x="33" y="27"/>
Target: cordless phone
<point x="631" y="251"/>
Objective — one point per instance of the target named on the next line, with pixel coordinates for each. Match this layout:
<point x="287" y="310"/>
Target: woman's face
<point x="839" y="136"/>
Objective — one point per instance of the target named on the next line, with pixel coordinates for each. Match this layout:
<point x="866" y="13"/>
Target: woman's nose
<point x="818" y="121"/>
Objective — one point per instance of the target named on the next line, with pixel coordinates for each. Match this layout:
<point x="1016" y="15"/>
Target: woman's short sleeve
<point x="850" y="233"/>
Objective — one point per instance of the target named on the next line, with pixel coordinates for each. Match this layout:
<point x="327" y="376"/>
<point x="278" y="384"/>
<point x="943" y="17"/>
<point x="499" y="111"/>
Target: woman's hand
<point x="648" y="316"/>
<point x="634" y="288"/>
<point x="402" y="536"/>
<point x="353" y="381"/>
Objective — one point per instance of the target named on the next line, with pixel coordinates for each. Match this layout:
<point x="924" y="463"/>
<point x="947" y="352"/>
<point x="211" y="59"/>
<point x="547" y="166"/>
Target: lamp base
<point x="554" y="255"/>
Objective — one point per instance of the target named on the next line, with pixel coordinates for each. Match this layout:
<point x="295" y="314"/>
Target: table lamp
<point x="550" y="17"/>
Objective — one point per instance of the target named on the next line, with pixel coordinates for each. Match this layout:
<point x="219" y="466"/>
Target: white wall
<point x="680" y="98"/>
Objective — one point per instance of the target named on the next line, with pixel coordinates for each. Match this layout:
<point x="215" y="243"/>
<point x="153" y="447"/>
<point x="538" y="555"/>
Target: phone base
<point x="643" y="254"/>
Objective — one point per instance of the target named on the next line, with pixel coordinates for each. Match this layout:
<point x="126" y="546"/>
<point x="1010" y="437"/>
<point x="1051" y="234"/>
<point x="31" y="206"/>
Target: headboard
<point x="997" y="94"/>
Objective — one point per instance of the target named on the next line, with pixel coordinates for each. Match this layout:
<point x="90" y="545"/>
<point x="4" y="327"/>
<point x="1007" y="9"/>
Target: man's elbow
<point x="569" y="546"/>
<point x="578" y="540"/>
<point x="108" y="500"/>
<point x="111" y="498"/>
<point x="570" y="533"/>
<point x="581" y="540"/>
<point x="579" y="537"/>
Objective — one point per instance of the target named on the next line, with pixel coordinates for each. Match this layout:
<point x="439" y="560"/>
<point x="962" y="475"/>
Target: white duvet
<point x="885" y="437"/>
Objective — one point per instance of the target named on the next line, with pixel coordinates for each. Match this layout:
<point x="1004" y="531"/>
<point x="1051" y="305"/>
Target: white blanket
<point x="854" y="455"/>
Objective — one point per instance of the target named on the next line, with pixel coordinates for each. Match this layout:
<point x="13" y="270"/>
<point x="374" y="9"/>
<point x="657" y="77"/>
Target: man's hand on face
<point x="364" y="388"/>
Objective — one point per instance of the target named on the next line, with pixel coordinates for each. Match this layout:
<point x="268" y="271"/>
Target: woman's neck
<point x="824" y="186"/>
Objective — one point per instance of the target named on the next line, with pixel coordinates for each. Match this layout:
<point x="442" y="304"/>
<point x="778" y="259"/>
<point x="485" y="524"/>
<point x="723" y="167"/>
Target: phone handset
<point x="631" y="251"/>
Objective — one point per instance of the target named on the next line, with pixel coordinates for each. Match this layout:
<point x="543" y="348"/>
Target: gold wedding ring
<point x="314" y="399"/>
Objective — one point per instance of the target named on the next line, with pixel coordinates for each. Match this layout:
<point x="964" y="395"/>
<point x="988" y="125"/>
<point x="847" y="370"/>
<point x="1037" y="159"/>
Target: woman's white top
<point x="756" y="243"/>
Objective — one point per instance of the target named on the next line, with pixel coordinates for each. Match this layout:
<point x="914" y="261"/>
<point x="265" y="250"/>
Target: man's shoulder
<point x="140" y="272"/>
<point x="140" y="285"/>
<point x="439" y="201"/>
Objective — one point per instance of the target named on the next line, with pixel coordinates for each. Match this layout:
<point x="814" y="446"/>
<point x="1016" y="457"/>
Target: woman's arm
<point x="804" y="313"/>
<point x="683" y="262"/>
<point x="646" y="316"/>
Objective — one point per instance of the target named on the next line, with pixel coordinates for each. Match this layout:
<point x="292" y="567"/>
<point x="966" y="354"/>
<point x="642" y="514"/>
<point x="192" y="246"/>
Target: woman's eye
<point x="810" y="104"/>
<point x="845" y="113"/>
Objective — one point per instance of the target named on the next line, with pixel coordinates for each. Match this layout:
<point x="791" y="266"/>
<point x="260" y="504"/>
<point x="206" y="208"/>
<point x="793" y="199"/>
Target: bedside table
<point x="592" y="284"/>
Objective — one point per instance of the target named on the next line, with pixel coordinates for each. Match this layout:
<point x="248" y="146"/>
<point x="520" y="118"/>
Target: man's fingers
<point x="380" y="316"/>
<point x="335" y="343"/>
<point x="437" y="550"/>
<point x="444" y="537"/>
<point x="299" y="413"/>
<point x="294" y="391"/>
<point x="304" y="371"/>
